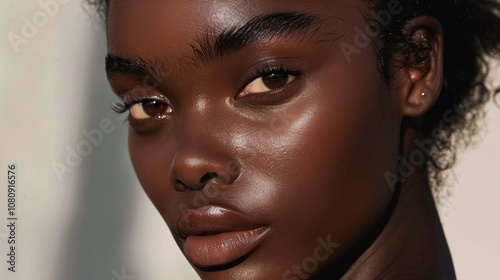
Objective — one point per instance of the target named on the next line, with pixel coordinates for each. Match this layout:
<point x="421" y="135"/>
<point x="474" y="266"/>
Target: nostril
<point x="180" y="186"/>
<point x="186" y="186"/>
<point x="208" y="176"/>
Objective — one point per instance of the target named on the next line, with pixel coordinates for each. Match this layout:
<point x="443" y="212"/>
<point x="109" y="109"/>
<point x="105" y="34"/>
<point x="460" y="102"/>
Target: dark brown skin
<point x="307" y="160"/>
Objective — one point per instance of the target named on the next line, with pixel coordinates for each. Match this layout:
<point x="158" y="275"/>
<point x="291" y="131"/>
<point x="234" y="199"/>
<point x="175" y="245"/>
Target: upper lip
<point x="210" y="220"/>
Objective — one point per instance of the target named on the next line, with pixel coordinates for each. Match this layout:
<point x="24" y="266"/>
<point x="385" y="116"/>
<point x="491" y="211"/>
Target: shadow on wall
<point x="95" y="239"/>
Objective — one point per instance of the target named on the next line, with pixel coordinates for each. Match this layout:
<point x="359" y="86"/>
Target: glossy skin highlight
<point x="306" y="160"/>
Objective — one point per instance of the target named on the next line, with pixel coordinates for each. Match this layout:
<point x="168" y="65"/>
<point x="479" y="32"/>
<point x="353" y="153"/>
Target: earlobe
<point x="422" y="73"/>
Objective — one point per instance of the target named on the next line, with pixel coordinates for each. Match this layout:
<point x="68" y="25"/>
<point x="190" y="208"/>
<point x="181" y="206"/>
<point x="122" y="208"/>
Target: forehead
<point x="168" y="28"/>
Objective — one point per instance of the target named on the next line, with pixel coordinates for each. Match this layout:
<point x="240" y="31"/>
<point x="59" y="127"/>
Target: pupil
<point x="275" y="80"/>
<point x="153" y="108"/>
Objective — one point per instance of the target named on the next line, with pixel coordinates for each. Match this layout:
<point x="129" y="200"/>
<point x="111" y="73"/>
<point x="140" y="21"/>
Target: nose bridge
<point x="202" y="149"/>
<point x="202" y="124"/>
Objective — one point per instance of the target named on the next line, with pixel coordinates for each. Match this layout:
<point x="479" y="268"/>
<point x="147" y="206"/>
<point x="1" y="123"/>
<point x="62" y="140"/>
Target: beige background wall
<point x="95" y="222"/>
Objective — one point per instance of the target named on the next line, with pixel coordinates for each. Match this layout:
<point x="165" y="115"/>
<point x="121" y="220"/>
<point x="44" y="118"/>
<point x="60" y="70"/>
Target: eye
<point x="149" y="108"/>
<point x="268" y="82"/>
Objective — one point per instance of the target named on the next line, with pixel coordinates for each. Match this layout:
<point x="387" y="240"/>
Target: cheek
<point x="151" y="158"/>
<point x="329" y="162"/>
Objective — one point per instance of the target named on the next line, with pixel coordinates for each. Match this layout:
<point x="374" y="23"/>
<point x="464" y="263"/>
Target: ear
<point x="420" y="77"/>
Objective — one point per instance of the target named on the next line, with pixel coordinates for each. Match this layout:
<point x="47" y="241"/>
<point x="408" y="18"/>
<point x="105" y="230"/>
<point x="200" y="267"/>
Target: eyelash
<point x="140" y="126"/>
<point x="121" y="106"/>
<point x="269" y="69"/>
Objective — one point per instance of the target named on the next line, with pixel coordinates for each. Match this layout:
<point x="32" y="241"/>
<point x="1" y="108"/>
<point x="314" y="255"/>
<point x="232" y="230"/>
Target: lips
<point x="215" y="236"/>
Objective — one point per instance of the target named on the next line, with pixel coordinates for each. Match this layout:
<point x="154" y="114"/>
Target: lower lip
<point x="223" y="248"/>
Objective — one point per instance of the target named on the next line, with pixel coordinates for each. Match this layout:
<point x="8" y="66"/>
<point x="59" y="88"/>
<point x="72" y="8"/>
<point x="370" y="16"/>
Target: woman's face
<point x="260" y="141"/>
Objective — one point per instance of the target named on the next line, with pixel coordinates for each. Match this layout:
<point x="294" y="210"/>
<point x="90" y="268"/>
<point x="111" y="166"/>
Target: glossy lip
<point x="215" y="236"/>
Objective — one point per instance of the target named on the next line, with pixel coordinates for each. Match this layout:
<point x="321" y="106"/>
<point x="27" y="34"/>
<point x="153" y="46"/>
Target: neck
<point x="409" y="244"/>
<point x="412" y="245"/>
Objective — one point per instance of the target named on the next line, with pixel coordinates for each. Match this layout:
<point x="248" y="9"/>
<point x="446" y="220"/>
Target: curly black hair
<point x="471" y="31"/>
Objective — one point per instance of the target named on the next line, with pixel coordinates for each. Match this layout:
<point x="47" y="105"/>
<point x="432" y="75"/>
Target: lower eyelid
<point x="292" y="76"/>
<point x="276" y="97"/>
<point x="149" y="125"/>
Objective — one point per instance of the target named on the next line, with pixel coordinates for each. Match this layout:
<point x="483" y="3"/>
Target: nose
<point x="202" y="153"/>
<point x="192" y="169"/>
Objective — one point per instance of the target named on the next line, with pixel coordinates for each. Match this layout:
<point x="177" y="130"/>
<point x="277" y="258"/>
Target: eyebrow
<point x="269" y="26"/>
<point x="132" y="66"/>
<point x="211" y="47"/>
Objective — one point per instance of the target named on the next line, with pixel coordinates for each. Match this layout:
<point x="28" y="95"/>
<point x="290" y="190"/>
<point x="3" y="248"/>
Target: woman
<point x="301" y="139"/>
